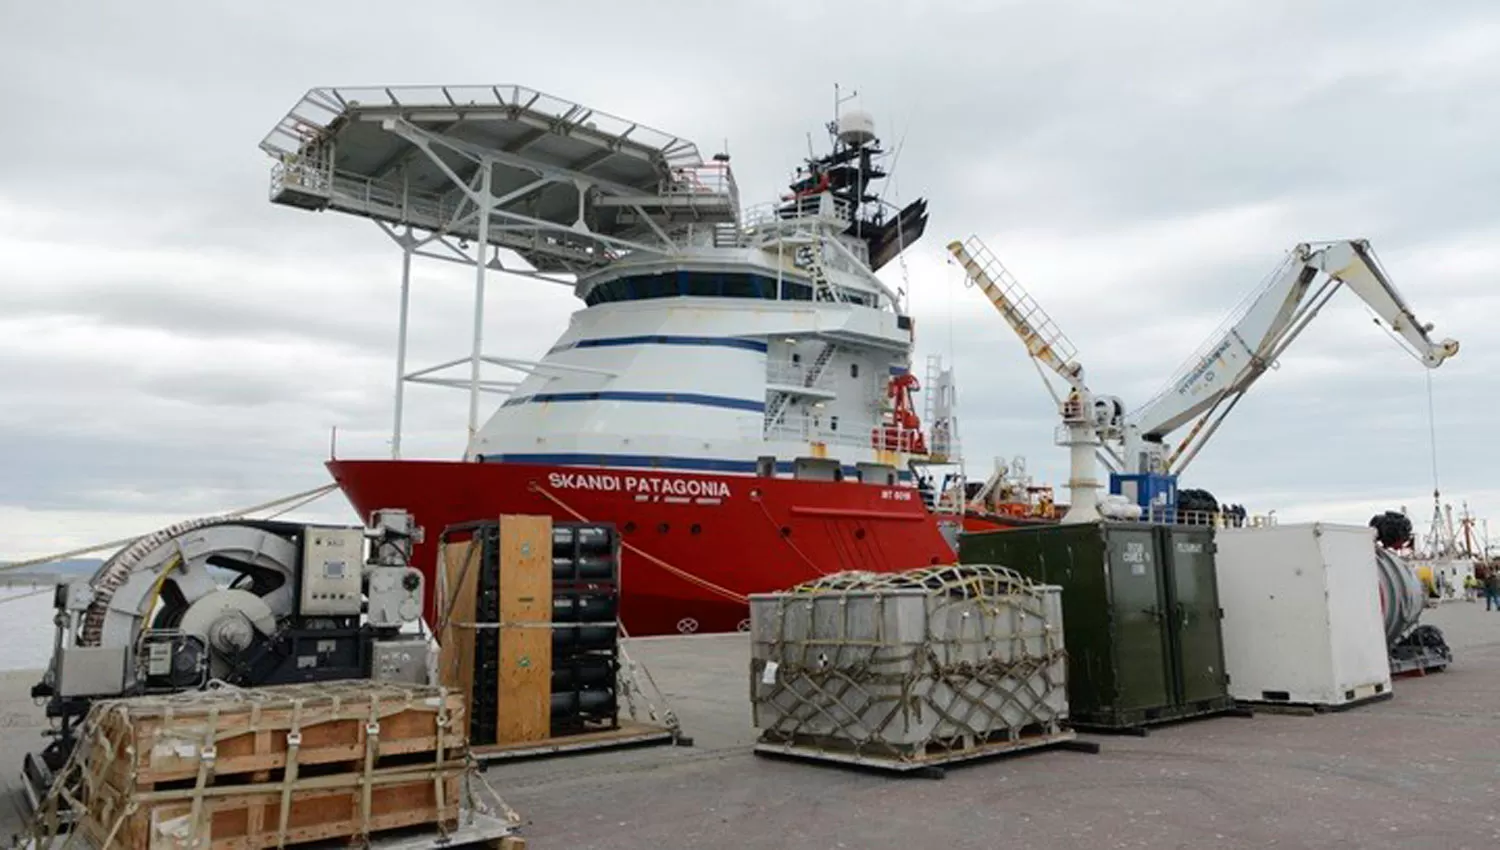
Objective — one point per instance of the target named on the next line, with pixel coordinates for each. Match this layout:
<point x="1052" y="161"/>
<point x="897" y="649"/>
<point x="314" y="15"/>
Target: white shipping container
<point x="1302" y="619"/>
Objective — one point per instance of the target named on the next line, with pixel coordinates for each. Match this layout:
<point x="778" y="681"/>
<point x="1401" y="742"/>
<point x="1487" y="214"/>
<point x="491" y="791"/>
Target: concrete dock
<point x="1420" y="770"/>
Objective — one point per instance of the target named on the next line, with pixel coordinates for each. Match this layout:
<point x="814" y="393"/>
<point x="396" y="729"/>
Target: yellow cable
<point x="156" y="596"/>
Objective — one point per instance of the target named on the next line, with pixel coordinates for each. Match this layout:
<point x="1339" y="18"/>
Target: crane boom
<point x="1095" y="427"/>
<point x="1044" y="340"/>
<point x="1215" y="379"/>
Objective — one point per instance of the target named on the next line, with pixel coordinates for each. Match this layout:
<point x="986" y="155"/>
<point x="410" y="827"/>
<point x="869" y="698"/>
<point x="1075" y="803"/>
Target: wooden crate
<point x="150" y="740"/>
<point x="222" y="769"/>
<point x="523" y="690"/>
<point x="232" y="817"/>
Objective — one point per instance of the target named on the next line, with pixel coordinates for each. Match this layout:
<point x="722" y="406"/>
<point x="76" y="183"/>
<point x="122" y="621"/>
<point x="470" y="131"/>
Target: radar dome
<point x="856" y="127"/>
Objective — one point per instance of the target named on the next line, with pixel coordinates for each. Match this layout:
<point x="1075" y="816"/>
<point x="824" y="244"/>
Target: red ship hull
<point x="695" y="543"/>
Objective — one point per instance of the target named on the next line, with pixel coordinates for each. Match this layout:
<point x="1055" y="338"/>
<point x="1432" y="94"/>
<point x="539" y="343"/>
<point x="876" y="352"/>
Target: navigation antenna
<point x="833" y="134"/>
<point x="833" y="126"/>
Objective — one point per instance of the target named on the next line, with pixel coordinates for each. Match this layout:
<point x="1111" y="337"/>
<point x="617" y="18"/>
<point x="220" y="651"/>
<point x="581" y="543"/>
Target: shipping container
<point x="1140" y="612"/>
<point x="1302" y="615"/>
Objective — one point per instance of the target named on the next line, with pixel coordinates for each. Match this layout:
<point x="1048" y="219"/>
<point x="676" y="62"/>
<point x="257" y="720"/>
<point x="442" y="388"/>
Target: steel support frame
<point x="414" y="245"/>
<point x="484" y="205"/>
<point x="484" y="158"/>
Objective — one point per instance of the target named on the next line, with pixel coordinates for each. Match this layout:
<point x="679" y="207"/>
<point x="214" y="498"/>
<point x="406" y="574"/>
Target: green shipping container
<point x="1141" y="617"/>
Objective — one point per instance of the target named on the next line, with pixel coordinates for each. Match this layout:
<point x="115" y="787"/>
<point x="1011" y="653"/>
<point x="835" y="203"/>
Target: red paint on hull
<point x="745" y="534"/>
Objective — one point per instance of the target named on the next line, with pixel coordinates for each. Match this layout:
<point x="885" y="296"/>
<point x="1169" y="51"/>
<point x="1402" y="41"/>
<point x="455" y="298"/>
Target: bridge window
<point x="696" y="283"/>
<point x="708" y="284"/>
<point x="792" y="290"/>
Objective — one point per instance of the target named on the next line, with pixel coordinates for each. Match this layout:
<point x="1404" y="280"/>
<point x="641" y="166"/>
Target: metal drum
<point x="1401" y="594"/>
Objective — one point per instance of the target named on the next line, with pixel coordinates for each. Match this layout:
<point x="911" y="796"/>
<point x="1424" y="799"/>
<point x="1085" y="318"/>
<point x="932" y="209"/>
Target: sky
<point x="173" y="345"/>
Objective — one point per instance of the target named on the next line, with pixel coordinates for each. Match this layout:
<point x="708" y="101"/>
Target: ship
<point x="736" y="394"/>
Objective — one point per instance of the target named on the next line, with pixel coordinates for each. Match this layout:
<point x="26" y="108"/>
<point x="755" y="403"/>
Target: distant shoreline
<point x="36" y="579"/>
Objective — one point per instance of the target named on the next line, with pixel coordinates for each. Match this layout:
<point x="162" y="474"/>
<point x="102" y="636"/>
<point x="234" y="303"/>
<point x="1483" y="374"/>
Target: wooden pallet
<point x="926" y="760"/>
<point x="629" y="734"/>
<point x="1307" y="709"/>
<point x="1140" y="722"/>
<point x="474" y="829"/>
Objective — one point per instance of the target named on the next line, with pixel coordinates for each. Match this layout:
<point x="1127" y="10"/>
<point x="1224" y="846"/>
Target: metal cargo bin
<point x="1302" y="615"/>
<point x="1140" y="612"/>
<point x="941" y="662"/>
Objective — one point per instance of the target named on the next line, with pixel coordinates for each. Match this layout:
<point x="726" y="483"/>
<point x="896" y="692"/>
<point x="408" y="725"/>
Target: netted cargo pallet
<point x="245" y="769"/>
<point x="910" y="670"/>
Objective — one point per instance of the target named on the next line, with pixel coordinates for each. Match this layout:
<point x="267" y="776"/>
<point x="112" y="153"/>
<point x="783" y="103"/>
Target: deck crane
<point x="1210" y="384"/>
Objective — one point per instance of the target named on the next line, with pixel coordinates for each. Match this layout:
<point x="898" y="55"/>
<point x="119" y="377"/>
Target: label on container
<point x="768" y="675"/>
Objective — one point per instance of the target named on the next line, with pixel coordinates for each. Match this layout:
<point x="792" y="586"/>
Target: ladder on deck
<point x="777" y="411"/>
<point x="810" y="256"/>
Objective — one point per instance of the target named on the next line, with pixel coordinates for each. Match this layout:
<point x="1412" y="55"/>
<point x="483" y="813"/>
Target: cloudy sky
<point x="171" y="344"/>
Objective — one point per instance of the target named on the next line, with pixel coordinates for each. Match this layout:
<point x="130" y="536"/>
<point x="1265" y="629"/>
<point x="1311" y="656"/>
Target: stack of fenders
<point x="1141" y="616"/>
<point x="585" y="627"/>
<point x="585" y="583"/>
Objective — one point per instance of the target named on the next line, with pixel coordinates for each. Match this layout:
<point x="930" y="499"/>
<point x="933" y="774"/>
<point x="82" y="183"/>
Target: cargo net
<point x="909" y="665"/>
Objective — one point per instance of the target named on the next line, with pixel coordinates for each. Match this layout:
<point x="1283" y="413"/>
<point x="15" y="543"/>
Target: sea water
<point x="26" y="630"/>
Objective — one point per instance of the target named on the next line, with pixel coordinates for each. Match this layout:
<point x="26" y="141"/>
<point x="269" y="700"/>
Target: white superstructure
<point x="712" y="338"/>
<point x="720" y="359"/>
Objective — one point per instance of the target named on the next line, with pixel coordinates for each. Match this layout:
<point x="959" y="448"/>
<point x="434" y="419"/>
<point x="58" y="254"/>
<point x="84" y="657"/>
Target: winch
<point x="238" y="602"/>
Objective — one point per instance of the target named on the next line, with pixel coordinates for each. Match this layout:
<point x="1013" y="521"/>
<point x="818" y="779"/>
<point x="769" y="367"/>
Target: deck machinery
<point x="236" y="602"/>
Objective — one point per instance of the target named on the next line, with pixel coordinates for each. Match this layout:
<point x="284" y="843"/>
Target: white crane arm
<point x="1254" y="340"/>
<point x="1354" y="263"/>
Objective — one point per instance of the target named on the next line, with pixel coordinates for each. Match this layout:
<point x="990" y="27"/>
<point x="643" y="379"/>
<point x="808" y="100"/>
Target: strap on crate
<point x="289" y="777"/>
<point x="438" y="779"/>
<point x="125" y="815"/>
<point x="372" y="745"/>
<point x="206" y="758"/>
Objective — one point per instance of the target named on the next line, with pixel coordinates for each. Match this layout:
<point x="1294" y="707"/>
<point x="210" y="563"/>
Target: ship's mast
<point x="844" y="175"/>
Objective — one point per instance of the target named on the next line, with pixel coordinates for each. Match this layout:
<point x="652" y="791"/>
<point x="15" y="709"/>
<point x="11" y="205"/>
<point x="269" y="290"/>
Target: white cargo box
<point x="1302" y="619"/>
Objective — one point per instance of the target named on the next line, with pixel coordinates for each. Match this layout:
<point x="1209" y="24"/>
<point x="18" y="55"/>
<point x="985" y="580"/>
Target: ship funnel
<point x="856" y="128"/>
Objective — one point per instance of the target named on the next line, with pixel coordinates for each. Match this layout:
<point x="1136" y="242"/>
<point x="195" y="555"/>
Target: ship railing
<point x="889" y="438"/>
<point x="728" y="234"/>
<point x="788" y="373"/>
<point x="822" y="429"/>
<point x="309" y="120"/>
<point x="711" y="178"/>
<point x="392" y="201"/>
<point x="304" y="177"/>
<point x="1208" y="519"/>
<point x="950" y="502"/>
<point x="785" y="218"/>
<point x="371" y="195"/>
